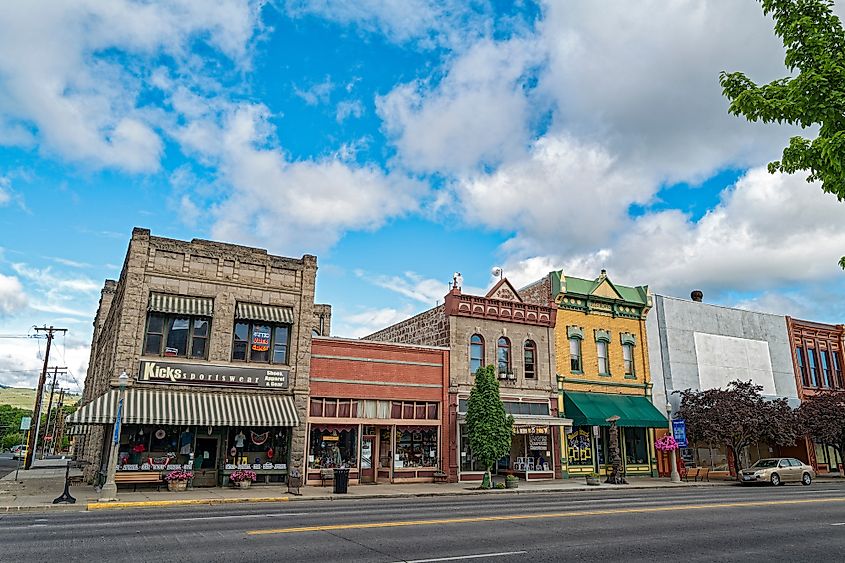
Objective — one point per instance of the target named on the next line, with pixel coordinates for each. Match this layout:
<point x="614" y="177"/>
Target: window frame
<point x="631" y="373"/>
<point x="813" y="368"/>
<point x="579" y="358"/>
<point x="837" y="369"/>
<point x="599" y="344"/>
<point x="251" y="324"/>
<point x="476" y="346"/>
<point x="802" y="365"/>
<point x="529" y="346"/>
<point x="166" y="325"/>
<point x="826" y="381"/>
<point x="503" y="344"/>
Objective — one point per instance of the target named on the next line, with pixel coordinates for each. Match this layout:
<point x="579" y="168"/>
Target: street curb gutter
<point x="184" y="502"/>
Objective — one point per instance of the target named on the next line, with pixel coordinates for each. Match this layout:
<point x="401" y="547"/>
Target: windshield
<point x="765" y="463"/>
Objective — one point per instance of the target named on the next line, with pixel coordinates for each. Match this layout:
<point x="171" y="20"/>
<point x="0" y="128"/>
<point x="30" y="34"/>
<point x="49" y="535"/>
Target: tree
<point x="737" y="417"/>
<point x="488" y="425"/>
<point x="823" y="416"/>
<point x="815" y="47"/>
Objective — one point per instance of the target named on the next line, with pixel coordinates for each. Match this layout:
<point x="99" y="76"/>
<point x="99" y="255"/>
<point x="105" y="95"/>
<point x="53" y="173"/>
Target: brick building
<point x="377" y="408"/>
<point x="215" y="341"/>
<point x="497" y="329"/>
<point x="817" y="359"/>
<point x="602" y="370"/>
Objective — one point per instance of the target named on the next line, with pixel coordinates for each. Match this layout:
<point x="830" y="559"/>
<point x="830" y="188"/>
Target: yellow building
<point x="602" y="370"/>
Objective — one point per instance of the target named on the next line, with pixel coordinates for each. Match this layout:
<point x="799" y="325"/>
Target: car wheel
<point x="775" y="479"/>
<point x="806" y="479"/>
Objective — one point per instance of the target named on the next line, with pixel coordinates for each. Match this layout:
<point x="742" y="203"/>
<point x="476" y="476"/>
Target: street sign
<point x="117" y="421"/>
<point x="679" y="431"/>
<point x="26" y="422"/>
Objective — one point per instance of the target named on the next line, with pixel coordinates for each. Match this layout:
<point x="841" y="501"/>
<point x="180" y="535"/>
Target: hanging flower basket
<point x="666" y="444"/>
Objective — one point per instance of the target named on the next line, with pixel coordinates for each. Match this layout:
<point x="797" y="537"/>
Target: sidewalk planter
<point x="177" y="486"/>
<point x="243" y="484"/>
<point x="511" y="482"/>
<point x="178" y="480"/>
<point x="593" y="479"/>
<point x="242" y="478"/>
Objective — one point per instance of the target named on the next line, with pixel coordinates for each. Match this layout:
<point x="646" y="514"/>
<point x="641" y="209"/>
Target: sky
<point x="399" y="141"/>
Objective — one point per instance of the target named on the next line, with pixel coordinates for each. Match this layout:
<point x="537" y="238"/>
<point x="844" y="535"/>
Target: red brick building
<point x="817" y="356"/>
<point x="378" y="409"/>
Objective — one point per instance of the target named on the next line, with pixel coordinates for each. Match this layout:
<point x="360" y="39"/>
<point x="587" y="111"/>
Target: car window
<point x="762" y="463"/>
<point x="795" y="463"/>
<point x="783" y="463"/>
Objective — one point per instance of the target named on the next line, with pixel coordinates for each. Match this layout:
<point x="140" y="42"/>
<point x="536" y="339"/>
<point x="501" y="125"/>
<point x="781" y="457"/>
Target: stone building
<point x="817" y="359"/>
<point x="602" y="364"/>
<point x="516" y="337"/>
<point x="215" y="340"/>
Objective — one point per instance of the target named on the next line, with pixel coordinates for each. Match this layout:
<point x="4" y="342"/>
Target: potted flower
<point x="178" y="480"/>
<point x="592" y="478"/>
<point x="243" y="478"/>
<point x="511" y="482"/>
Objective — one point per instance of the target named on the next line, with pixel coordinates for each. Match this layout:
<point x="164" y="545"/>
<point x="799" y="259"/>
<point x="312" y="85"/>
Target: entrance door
<point x="205" y="462"/>
<point x="368" y="474"/>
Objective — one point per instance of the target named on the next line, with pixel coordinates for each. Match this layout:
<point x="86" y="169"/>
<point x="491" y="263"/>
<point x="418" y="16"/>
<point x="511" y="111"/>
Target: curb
<point x="43" y="508"/>
<point x="183" y="502"/>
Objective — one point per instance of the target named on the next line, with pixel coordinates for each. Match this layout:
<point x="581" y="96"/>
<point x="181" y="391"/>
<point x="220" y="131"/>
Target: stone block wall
<point x="323" y="319"/>
<point x="430" y="328"/>
<point x="538" y="293"/>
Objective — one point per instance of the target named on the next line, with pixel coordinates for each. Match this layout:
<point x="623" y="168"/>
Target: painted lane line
<point x="515" y="517"/>
<point x="463" y="557"/>
<point x="838" y="524"/>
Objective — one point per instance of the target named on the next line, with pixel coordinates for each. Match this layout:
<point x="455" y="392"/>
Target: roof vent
<point x="697" y="295"/>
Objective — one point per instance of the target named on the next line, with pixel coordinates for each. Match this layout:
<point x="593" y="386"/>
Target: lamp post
<point x="673" y="459"/>
<point x="109" y="491"/>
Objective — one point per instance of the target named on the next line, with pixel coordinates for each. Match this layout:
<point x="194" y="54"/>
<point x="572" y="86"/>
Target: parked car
<point x="19" y="451"/>
<point x="777" y="471"/>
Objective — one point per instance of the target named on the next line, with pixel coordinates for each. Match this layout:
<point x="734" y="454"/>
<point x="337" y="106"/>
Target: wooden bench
<point x="697" y="474"/>
<point x="326" y="475"/>
<point x="136" y="478"/>
<point x="440" y="476"/>
<point x="703" y="473"/>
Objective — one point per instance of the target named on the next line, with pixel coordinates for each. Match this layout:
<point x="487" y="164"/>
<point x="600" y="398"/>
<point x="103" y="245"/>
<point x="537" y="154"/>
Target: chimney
<point x="697" y="295"/>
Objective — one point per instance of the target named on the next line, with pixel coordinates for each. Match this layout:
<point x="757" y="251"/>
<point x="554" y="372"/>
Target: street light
<point x="673" y="459"/>
<point x="109" y="491"/>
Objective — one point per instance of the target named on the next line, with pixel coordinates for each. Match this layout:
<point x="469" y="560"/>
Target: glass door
<point x="367" y="449"/>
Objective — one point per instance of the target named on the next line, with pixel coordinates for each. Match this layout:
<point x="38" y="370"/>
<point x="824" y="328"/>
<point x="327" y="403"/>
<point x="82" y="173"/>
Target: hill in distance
<point x="23" y="398"/>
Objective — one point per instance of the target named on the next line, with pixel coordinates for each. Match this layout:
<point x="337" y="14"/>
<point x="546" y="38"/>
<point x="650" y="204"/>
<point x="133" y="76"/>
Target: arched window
<point x="504" y="355"/>
<point x="476" y="353"/>
<point x="530" y="358"/>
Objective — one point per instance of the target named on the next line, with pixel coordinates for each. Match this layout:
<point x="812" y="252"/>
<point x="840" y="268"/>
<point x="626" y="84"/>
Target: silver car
<point x="777" y="471"/>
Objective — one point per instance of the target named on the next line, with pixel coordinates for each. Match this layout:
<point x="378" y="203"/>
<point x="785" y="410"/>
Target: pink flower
<point x="666" y="444"/>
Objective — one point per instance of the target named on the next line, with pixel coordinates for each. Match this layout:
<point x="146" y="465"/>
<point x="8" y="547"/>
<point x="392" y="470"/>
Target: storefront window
<point x="579" y="446"/>
<point x="333" y="446"/>
<point x="636" y="449"/>
<point x="416" y="447"/>
<point x="468" y="462"/>
<point x="257" y="445"/>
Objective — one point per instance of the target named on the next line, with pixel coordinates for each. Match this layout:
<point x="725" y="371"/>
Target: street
<point x="720" y="523"/>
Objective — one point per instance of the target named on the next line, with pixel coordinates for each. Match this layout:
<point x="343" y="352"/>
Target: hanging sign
<point x="679" y="432"/>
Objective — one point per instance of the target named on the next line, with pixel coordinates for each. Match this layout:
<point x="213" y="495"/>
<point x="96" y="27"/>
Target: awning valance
<point x="181" y="304"/>
<point x="522" y="420"/>
<point x="77" y="430"/>
<point x="269" y="313"/>
<point x="593" y="409"/>
<point x="153" y="406"/>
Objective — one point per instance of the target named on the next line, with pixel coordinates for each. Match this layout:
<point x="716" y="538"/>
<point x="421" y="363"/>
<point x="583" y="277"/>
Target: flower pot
<point x="594" y="481"/>
<point x="511" y="483"/>
<point x="243" y="484"/>
<point x="177" y="485"/>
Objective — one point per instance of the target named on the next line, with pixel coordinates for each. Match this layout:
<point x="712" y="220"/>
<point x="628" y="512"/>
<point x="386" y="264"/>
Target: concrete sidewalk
<point x="36" y="489"/>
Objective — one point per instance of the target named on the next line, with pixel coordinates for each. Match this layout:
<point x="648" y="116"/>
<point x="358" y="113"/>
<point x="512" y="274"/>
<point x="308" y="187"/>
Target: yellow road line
<point x="182" y="502"/>
<point x="604" y="512"/>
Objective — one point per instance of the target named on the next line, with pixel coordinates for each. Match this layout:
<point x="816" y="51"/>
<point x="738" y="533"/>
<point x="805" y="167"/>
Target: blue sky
<point x="399" y="141"/>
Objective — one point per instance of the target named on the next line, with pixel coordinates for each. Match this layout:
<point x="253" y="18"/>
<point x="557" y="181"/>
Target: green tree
<point x="11" y="439"/>
<point x="814" y="96"/>
<point x="488" y="425"/>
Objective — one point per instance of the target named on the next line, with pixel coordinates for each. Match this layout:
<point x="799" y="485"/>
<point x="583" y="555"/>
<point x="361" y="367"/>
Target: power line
<point x="33" y="437"/>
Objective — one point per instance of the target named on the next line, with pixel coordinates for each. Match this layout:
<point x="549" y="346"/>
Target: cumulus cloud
<point x="65" y="81"/>
<point x="59" y="292"/>
<point x="368" y="321"/>
<point x="12" y="296"/>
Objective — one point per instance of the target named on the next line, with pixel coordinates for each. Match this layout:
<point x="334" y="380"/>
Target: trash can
<point x="341" y="480"/>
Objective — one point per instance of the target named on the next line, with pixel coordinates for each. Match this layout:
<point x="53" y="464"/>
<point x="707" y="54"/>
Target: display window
<point x="257" y="445"/>
<point x="468" y="461"/>
<point x="579" y="447"/>
<point x="333" y="446"/>
<point x="416" y="447"/>
<point x="636" y="446"/>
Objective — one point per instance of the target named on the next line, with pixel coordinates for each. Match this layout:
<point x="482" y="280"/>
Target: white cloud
<point x="347" y="109"/>
<point x="368" y="321"/>
<point x="66" y="83"/>
<point x="318" y="93"/>
<point x="21" y="361"/>
<point x="5" y="195"/>
<point x="12" y="296"/>
<point x="61" y="292"/>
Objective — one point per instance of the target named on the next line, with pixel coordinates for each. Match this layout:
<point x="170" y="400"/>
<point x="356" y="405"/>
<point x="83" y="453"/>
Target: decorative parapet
<point x="460" y="305"/>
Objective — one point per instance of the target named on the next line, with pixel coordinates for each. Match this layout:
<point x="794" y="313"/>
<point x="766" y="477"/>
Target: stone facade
<point x="430" y="328"/>
<point x="225" y="273"/>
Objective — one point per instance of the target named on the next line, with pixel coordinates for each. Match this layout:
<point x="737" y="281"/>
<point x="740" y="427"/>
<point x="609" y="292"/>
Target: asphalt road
<point x="725" y="523"/>
<point x="7" y="463"/>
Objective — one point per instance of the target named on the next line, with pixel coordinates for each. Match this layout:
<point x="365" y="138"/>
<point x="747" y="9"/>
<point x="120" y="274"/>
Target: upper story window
<point x="601" y="352"/>
<point x="825" y="359"/>
<point x="261" y="342"/>
<point x="814" y="372"/>
<point x="628" y="358"/>
<point x="837" y="371"/>
<point x="177" y="336"/>
<point x="575" y="355"/>
<point x="802" y="367"/>
<point x="503" y="355"/>
<point x="530" y="359"/>
<point x="476" y="352"/>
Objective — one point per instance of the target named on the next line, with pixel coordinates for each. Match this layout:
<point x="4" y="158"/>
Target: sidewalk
<point x="36" y="489"/>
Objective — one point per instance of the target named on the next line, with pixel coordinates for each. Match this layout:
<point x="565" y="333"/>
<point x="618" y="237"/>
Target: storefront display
<point x="333" y="446"/>
<point x="416" y="447"/>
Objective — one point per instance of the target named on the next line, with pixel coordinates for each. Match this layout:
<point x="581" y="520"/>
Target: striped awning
<point x="181" y="304"/>
<point x="153" y="406"/>
<point x="77" y="430"/>
<point x="269" y="313"/>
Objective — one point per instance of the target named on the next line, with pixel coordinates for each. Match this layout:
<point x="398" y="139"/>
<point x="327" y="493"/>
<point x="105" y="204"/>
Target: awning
<point x="269" y="313"/>
<point x="77" y="430"/>
<point x="153" y="406"/>
<point x="181" y="305"/>
<point x="593" y="409"/>
<point x="539" y="420"/>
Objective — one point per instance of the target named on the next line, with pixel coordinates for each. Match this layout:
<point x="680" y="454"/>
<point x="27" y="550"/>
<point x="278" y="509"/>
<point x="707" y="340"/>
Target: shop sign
<point x="530" y="429"/>
<point x="260" y="340"/>
<point x="266" y="466"/>
<point x="537" y="442"/>
<point x="679" y="431"/>
<point x="203" y="374"/>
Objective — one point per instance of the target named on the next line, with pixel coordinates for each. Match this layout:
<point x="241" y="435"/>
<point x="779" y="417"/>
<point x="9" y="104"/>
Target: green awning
<point x="593" y="409"/>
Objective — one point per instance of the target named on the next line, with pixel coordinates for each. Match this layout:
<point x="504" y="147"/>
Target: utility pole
<point x="49" y="411"/>
<point x="32" y="442"/>
<point x="56" y="427"/>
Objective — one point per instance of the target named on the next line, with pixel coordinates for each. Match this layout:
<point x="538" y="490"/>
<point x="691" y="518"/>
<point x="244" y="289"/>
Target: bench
<point x="704" y="473"/>
<point x="136" y="478"/>
<point x="697" y="473"/>
<point x="440" y="476"/>
<point x="326" y="475"/>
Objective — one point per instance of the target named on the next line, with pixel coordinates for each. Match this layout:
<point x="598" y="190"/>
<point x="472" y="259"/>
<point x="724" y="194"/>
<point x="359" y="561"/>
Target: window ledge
<point x="605" y="375"/>
<point x="579" y="372"/>
<point x="630" y="377"/>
